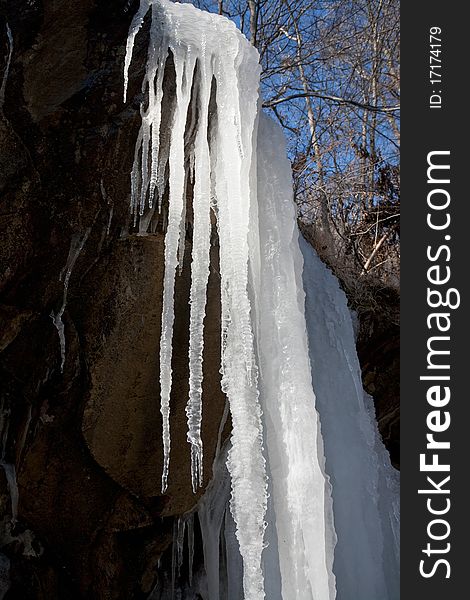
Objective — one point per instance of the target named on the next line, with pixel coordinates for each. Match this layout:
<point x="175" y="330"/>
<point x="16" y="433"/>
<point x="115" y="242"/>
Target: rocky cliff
<point x="85" y="440"/>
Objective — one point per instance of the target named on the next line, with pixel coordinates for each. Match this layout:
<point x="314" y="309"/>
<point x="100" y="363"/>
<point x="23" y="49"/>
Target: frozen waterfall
<point x="289" y="506"/>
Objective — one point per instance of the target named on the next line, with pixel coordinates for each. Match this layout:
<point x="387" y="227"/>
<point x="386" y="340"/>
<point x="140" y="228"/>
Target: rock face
<point x="85" y="442"/>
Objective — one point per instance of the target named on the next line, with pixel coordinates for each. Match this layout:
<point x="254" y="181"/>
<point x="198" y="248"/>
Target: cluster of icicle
<point x="211" y="57"/>
<point x="203" y="49"/>
<point x="234" y="158"/>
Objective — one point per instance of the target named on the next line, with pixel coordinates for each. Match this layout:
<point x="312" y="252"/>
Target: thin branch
<point x="375" y="250"/>
<point x="282" y="122"/>
<point x="336" y="99"/>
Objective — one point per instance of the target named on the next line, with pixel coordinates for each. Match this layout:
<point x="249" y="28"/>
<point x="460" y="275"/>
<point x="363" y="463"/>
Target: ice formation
<point x="7" y="66"/>
<point x="76" y="246"/>
<point x="9" y="468"/>
<point x="364" y="484"/>
<point x="219" y="151"/>
<point x="206" y="49"/>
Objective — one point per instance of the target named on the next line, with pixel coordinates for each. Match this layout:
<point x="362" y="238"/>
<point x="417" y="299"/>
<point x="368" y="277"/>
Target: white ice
<point x="285" y="498"/>
<point x="222" y="181"/>
<point x="301" y="492"/>
<point x="365" y="485"/>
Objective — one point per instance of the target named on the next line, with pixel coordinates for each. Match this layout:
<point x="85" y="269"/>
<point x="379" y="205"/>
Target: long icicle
<point x="134" y="29"/>
<point x="76" y="246"/>
<point x="199" y="274"/>
<point x="221" y="182"/>
<point x="158" y="53"/>
<point x="184" y="65"/>
<point x="246" y="462"/>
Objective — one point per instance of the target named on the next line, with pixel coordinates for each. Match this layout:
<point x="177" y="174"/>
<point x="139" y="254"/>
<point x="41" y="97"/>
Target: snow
<point x="277" y="508"/>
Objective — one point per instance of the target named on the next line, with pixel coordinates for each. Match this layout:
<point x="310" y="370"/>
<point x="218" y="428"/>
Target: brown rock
<point x="122" y="422"/>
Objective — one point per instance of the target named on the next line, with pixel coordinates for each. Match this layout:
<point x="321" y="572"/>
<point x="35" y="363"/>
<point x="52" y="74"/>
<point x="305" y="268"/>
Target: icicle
<point x="136" y="24"/>
<point x="199" y="271"/>
<point x="264" y="350"/>
<point x="176" y="182"/>
<point x="145" y="170"/>
<point x="236" y="71"/>
<point x="190" y="527"/>
<point x="246" y="462"/>
<point x="182" y="244"/>
<point x="302" y="503"/>
<point x="7" y="67"/>
<point x="10" y="473"/>
<point x="173" y="559"/>
<point x="145" y="166"/>
<point x="9" y="469"/>
<point x="181" y="526"/>
<point x="76" y="246"/>
<point x="211" y="510"/>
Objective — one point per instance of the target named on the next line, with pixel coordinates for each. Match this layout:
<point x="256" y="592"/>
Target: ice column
<point x="76" y="246"/>
<point x="300" y="491"/>
<point x="365" y="485"/>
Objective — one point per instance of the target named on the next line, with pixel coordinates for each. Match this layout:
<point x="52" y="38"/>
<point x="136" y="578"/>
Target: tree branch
<point x="336" y="99"/>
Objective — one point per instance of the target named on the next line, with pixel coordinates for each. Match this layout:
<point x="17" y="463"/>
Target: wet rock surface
<point x="85" y="442"/>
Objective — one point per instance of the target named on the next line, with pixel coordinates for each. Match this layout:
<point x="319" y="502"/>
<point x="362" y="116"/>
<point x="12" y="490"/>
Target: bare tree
<point x="331" y="79"/>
